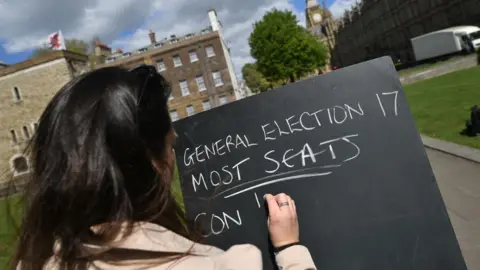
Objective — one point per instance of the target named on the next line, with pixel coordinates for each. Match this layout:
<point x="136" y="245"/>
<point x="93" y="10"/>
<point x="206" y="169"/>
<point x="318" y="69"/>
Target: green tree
<point x="283" y="49"/>
<point x="254" y="79"/>
<point x="78" y="46"/>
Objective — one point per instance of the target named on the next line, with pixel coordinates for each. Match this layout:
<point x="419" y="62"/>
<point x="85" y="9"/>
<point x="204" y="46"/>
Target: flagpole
<point x="64" y="45"/>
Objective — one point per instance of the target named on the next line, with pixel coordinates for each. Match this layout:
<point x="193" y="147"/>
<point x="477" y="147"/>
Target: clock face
<point x="317" y="17"/>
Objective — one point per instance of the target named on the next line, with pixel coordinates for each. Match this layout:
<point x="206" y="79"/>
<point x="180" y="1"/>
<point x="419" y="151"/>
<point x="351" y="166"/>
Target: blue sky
<point x="14" y="57"/>
<point x="125" y="24"/>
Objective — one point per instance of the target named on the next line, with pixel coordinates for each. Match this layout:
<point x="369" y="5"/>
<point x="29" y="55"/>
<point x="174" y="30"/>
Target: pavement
<point x="459" y="182"/>
<point x="456" y="64"/>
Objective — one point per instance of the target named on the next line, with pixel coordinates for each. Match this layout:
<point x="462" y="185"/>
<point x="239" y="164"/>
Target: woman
<point x="100" y="195"/>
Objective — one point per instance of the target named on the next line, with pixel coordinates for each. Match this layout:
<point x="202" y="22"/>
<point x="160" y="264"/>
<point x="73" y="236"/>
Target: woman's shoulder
<point x="237" y="257"/>
<point x="239" y="254"/>
<point x="156" y="239"/>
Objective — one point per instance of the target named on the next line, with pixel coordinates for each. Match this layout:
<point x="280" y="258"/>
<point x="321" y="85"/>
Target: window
<point x="13" y="134"/>
<point x="217" y="77"/>
<point x="19" y="165"/>
<point x="193" y="56"/>
<point x="161" y="66"/>
<point x="201" y="84"/>
<point x="16" y="94"/>
<point x="223" y="100"/>
<point x="210" y="51"/>
<point x="177" y="62"/>
<point x="174" y="115"/>
<point x="34" y="126"/>
<point x="190" y="110"/>
<point x="184" y="88"/>
<point x="206" y="105"/>
<point x="26" y="133"/>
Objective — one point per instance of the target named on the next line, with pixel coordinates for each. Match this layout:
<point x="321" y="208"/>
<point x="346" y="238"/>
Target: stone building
<point x="25" y="90"/>
<point x="101" y="52"/>
<point x="375" y="28"/>
<point x="320" y="22"/>
<point x="197" y="65"/>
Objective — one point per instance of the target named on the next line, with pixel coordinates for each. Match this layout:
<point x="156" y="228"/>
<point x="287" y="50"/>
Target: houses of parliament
<point x="375" y="28"/>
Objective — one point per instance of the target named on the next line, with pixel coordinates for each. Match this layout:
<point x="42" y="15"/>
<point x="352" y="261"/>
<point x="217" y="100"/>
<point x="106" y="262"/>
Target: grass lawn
<point x="7" y="231"/>
<point x="442" y="105"/>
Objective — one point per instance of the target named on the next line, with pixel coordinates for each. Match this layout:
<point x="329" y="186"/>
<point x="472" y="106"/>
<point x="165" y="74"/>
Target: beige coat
<point x="150" y="239"/>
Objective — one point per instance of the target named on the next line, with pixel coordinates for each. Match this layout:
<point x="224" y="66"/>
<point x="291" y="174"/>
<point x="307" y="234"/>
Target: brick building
<point x="25" y="90"/>
<point x="198" y="66"/>
<point x="375" y="28"/>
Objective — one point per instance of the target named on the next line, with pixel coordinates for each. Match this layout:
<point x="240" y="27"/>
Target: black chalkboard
<point x="345" y="147"/>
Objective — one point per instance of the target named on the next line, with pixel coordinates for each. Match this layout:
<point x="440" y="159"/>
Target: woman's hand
<point x="282" y="220"/>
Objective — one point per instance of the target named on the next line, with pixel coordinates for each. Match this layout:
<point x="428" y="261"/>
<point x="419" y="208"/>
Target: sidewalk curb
<point x="457" y="150"/>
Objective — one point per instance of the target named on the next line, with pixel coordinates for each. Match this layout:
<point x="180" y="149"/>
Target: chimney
<point x="212" y="15"/>
<point x="151" y="34"/>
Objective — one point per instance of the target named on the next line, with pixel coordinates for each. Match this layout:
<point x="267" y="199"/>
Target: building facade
<point x="197" y="65"/>
<point x="319" y="21"/>
<point x="375" y="28"/>
<point x="25" y="90"/>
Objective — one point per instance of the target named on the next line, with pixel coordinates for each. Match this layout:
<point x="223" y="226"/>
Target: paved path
<point x="459" y="182"/>
<point x="444" y="68"/>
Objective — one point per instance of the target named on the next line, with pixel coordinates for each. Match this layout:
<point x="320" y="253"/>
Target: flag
<point x="56" y="41"/>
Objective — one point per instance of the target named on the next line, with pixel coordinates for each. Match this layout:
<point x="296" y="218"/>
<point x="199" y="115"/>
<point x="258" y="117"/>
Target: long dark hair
<point x="92" y="164"/>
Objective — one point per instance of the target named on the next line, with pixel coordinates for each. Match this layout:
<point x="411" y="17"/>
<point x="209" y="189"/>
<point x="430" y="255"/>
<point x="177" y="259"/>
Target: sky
<point x="26" y="24"/>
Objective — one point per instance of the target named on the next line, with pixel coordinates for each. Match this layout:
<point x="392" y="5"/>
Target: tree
<point x="283" y="49"/>
<point x="77" y="45"/>
<point x="254" y="79"/>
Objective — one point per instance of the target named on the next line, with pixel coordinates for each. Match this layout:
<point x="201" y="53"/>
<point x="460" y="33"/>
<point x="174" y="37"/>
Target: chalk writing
<point x="215" y="178"/>
<point x="307" y="121"/>
<point x="256" y="199"/>
<point x="221" y="147"/>
<point x="217" y="223"/>
<point x="395" y="105"/>
<point x="311" y="160"/>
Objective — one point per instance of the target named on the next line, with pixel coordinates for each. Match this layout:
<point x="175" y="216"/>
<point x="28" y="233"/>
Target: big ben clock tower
<point x="319" y="23"/>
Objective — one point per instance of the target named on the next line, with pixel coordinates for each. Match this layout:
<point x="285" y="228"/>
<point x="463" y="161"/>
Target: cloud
<point x="26" y="24"/>
<point x="339" y="6"/>
<point x="237" y="18"/>
<point x="125" y="23"/>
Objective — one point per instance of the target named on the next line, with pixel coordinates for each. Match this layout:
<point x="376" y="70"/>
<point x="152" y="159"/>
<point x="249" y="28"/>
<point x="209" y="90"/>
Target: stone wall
<point x="36" y="86"/>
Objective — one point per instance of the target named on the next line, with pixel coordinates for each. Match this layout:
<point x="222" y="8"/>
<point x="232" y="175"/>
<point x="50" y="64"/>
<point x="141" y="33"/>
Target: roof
<point x="173" y="42"/>
<point x="467" y="28"/>
<point x="127" y="57"/>
<point x="100" y="44"/>
<point x="48" y="57"/>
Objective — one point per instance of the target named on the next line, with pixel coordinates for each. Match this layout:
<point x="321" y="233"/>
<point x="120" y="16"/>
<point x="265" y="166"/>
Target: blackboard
<point x="344" y="145"/>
